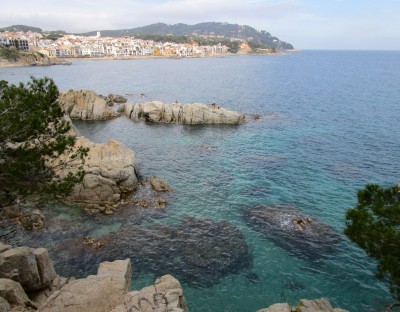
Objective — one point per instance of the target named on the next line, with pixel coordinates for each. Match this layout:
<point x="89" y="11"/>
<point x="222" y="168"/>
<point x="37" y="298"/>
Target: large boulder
<point x="32" y="268"/>
<point x="85" y="105"/>
<point x="96" y="293"/>
<point x="193" y="114"/>
<point x="165" y="295"/>
<point x="110" y="171"/>
<point x="13" y="294"/>
<point x="19" y="264"/>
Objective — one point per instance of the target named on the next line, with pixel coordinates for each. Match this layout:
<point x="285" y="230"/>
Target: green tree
<point x="374" y="225"/>
<point x="33" y="131"/>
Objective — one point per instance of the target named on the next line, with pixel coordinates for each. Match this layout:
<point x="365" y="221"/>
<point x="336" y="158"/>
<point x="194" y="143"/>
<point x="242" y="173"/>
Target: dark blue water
<point x="329" y="125"/>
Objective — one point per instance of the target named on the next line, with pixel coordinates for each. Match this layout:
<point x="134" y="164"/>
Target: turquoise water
<point x="329" y="125"/>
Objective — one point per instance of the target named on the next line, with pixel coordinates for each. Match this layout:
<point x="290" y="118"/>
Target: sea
<point x="329" y="124"/>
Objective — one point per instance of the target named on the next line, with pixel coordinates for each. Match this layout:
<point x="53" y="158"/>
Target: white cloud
<point x="78" y="16"/>
<point x="304" y="23"/>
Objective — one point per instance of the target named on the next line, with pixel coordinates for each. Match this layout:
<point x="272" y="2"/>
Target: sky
<point x="307" y="24"/>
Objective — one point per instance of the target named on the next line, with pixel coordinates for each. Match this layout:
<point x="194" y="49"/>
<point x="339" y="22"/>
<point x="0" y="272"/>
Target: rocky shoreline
<point x="29" y="282"/>
<point x="207" y="250"/>
<point x="21" y="59"/>
<point x="110" y="168"/>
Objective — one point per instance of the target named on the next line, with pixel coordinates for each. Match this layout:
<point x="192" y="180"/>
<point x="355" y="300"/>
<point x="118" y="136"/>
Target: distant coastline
<point x="48" y="61"/>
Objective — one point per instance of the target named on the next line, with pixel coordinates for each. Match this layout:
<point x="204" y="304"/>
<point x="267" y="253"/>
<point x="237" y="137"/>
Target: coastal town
<point x="75" y="46"/>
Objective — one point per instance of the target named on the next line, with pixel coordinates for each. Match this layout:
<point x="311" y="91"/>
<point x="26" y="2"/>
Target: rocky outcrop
<point x="85" y="105"/>
<point x="31" y="268"/>
<point x="26" y="273"/>
<point x="287" y="227"/>
<point x="16" y="58"/>
<point x="107" y="291"/>
<point x="96" y="293"/>
<point x="28" y="282"/>
<point x="12" y="294"/>
<point x="165" y="295"/>
<point x="317" y="305"/>
<point x="192" y="114"/>
<point x="110" y="172"/>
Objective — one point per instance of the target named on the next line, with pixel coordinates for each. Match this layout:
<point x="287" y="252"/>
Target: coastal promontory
<point x="192" y="114"/>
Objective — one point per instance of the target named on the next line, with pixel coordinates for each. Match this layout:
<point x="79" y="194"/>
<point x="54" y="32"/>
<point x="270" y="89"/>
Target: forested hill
<point x="210" y="29"/>
<point x="21" y="28"/>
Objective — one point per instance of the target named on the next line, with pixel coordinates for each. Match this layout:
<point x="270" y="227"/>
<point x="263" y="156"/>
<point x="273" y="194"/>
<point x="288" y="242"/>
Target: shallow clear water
<point x="329" y="125"/>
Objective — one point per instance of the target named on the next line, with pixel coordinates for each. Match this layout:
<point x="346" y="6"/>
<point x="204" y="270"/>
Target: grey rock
<point x="96" y="293"/>
<point x="159" y="203"/>
<point x="45" y="267"/>
<point x="278" y="307"/>
<point x="14" y="294"/>
<point x="317" y="305"/>
<point x="115" y="98"/>
<point x="110" y="172"/>
<point x="165" y="295"/>
<point x="4" y="247"/>
<point x="85" y="105"/>
<point x="192" y="114"/>
<point x="159" y="185"/>
<point x="32" y="220"/>
<point x="117" y="268"/>
<point x="19" y="264"/>
<point x="38" y="219"/>
<point x="4" y="305"/>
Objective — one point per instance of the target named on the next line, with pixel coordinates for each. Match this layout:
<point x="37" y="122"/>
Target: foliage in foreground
<point x="32" y="132"/>
<point x="374" y="225"/>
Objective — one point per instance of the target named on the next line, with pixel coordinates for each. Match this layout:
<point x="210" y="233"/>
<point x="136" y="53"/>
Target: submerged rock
<point x="32" y="220"/>
<point x="159" y="185"/>
<point x="192" y="114"/>
<point x="85" y="105"/>
<point x="301" y="235"/>
<point x="199" y="252"/>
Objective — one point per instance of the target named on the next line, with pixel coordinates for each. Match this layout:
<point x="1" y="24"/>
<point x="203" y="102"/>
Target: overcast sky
<point x="307" y="24"/>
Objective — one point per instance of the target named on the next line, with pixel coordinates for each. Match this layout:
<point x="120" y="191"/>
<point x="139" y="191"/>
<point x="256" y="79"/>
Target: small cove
<point x="329" y="124"/>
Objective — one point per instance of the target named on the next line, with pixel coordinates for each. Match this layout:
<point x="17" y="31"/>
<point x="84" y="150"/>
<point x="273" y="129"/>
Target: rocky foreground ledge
<point x="28" y="282"/>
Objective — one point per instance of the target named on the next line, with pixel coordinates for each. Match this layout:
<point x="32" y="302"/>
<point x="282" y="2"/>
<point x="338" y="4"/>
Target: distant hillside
<point x="21" y="28"/>
<point x="211" y="29"/>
